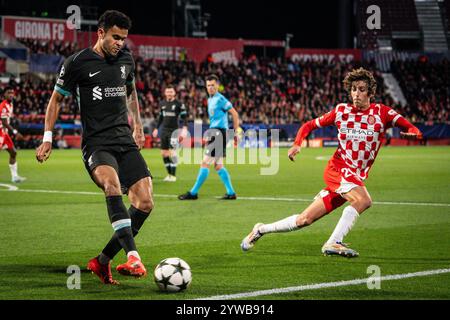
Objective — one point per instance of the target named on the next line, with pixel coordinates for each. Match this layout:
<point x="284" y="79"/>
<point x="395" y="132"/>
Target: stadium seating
<point x="52" y="47"/>
<point x="263" y="90"/>
<point x="426" y="86"/>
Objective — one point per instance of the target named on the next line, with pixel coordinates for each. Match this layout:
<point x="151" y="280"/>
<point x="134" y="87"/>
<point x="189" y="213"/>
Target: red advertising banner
<point x="341" y="55"/>
<point x="37" y="28"/>
<point x="173" y="48"/>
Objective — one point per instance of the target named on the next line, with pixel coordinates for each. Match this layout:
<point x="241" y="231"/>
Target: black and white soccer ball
<point x="173" y="275"/>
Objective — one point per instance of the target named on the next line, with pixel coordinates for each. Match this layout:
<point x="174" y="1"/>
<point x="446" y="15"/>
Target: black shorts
<point x="128" y="163"/>
<point x="167" y="142"/>
<point x="216" y="143"/>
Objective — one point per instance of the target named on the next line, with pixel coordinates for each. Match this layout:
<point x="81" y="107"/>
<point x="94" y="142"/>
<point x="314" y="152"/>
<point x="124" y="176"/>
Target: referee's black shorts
<point x="216" y="143"/>
<point x="167" y="142"/>
<point x="128" y="163"/>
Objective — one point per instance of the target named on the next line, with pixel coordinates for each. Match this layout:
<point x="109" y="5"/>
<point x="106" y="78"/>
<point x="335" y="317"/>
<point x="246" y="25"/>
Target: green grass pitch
<point x="44" y="233"/>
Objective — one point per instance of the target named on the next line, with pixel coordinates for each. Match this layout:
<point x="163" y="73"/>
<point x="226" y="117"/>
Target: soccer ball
<point x="173" y="275"/>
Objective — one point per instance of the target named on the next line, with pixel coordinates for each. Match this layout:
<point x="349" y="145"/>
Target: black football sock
<point x="137" y="220"/>
<point x="167" y="163"/>
<point x="121" y="222"/>
<point x="173" y="167"/>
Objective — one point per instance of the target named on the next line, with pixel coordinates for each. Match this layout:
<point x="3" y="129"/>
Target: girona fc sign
<point x="371" y="119"/>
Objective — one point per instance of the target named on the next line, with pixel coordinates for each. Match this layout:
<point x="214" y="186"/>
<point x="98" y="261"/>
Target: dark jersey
<point x="99" y="86"/>
<point x="170" y="111"/>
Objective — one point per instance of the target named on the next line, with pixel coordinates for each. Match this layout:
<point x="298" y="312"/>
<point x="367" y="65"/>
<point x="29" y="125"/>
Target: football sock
<point x="284" y="225"/>
<point x="168" y="164"/>
<point x="133" y="253"/>
<point x="348" y="219"/>
<point x="13" y="169"/>
<point x="226" y="179"/>
<point x="202" y="175"/>
<point x="113" y="247"/>
<point x="174" y="164"/>
<point x="121" y="222"/>
<point x="103" y="258"/>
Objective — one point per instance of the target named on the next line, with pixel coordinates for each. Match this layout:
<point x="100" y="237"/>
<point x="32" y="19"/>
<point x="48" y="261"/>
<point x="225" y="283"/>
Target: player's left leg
<point x="201" y="178"/>
<point x="13" y="167"/>
<point x="174" y="163"/>
<point x="360" y="201"/>
<point x="226" y="179"/>
<point x="316" y="210"/>
<point x="219" y="152"/>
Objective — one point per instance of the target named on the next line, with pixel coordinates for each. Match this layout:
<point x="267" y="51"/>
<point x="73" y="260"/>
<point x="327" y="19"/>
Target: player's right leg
<point x="360" y="200"/>
<point x="135" y="180"/>
<point x="106" y="176"/>
<point x="140" y="196"/>
<point x="103" y="167"/>
<point x="201" y="178"/>
<point x="167" y="143"/>
<point x="313" y="212"/>
<point x="13" y="166"/>
<point x="165" y="153"/>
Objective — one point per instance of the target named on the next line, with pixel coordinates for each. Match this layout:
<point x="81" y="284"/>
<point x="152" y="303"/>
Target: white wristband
<point x="15" y="131"/>
<point x="47" y="136"/>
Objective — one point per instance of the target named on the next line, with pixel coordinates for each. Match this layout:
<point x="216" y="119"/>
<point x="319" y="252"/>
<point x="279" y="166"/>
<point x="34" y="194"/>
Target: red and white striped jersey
<point x="6" y="112"/>
<point x="360" y="134"/>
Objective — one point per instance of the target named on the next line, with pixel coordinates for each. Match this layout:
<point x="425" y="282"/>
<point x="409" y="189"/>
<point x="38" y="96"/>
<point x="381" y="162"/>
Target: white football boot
<point x="249" y="241"/>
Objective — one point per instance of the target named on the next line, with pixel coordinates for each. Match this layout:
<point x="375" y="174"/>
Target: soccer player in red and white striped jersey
<point x="361" y="128"/>
<point x="6" y="113"/>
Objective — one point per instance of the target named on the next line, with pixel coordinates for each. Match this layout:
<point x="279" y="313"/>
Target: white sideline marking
<point x="325" y="285"/>
<point x="16" y="189"/>
<point x="9" y="186"/>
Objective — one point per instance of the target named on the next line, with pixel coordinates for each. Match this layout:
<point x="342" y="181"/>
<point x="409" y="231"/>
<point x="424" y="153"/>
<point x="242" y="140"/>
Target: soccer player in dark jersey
<point x="170" y="111"/>
<point x="102" y="78"/>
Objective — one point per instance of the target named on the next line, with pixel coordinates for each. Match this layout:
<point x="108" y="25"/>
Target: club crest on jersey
<point x="371" y="119"/>
<point x="61" y="73"/>
<point x="122" y="69"/>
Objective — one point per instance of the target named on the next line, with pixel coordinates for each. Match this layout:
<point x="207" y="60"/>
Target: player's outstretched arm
<point x="44" y="150"/>
<point x="409" y="131"/>
<point x="133" y="107"/>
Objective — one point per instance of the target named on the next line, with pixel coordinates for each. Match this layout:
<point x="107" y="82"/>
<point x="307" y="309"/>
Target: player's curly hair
<point x="360" y="74"/>
<point x="111" y="18"/>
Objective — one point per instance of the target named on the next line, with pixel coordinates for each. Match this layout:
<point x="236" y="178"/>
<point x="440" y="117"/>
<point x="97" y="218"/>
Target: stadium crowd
<point x="263" y="90"/>
<point x="62" y="48"/>
<point x="426" y="87"/>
